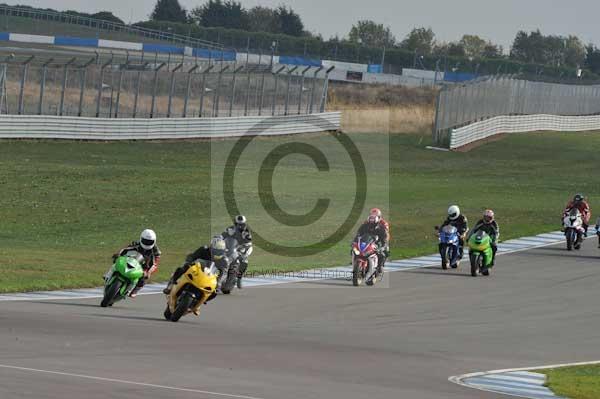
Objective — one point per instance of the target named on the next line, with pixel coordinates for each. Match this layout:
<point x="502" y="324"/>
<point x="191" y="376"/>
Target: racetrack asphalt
<point x="313" y="340"/>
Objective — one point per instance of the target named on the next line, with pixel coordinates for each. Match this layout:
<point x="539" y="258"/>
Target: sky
<point x="497" y="21"/>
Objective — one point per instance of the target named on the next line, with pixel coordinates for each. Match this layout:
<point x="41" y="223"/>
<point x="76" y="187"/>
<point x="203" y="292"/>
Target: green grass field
<point x="67" y="206"/>
<point x="579" y="382"/>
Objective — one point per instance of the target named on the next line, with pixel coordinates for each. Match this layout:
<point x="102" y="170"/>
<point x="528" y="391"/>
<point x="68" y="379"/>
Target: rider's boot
<point x="108" y="274"/>
<point x="135" y="291"/>
<point x="168" y="288"/>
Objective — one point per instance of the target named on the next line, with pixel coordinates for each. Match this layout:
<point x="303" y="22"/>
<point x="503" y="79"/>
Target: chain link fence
<point x="486" y="98"/>
<point x="80" y="87"/>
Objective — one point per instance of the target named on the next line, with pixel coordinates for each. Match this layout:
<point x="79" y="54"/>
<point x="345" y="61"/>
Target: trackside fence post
<point x="188" y="88"/>
<point x="101" y="86"/>
<point x="23" y="81"/>
<point x="312" y="90"/>
<point x="203" y="90"/>
<point x="301" y="89"/>
<point x="43" y="86"/>
<point x="325" y="89"/>
<point x="154" y="88"/>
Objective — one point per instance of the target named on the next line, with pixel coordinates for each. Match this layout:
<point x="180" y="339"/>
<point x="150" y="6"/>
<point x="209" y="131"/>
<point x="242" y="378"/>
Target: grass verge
<point x="67" y="206"/>
<point x="577" y="382"/>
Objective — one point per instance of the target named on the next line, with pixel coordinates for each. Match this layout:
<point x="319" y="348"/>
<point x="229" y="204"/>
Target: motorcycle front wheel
<point x="445" y="256"/>
<point x="357" y="274"/>
<point x="184" y="302"/>
<point x="570" y="239"/>
<point x="111" y="293"/>
<point x="168" y="313"/>
<point x="229" y="283"/>
<point x="475" y="260"/>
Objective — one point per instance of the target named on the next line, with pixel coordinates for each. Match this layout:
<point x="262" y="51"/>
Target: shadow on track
<point x="114" y="316"/>
<point x="58" y="303"/>
<point x="333" y="283"/>
<point x="561" y="252"/>
<point x="458" y="273"/>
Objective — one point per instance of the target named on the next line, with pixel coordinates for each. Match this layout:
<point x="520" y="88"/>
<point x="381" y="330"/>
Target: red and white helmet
<point x="374" y="216"/>
<point x="488" y="216"/>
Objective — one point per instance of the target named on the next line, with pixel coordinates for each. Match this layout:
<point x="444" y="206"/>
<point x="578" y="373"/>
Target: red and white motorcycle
<point x="364" y="261"/>
<point x="573" y="225"/>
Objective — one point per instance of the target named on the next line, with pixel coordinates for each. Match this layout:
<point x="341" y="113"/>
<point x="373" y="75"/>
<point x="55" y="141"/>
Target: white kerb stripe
<point x="90" y="377"/>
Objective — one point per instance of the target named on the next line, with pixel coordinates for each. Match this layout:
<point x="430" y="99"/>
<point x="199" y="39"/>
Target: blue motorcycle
<point x="449" y="246"/>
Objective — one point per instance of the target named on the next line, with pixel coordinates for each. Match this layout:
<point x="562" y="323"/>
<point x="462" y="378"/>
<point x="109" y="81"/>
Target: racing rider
<point x="579" y="202"/>
<point x="148" y="248"/>
<point x="489" y="225"/>
<point x="242" y="234"/>
<point x="458" y="220"/>
<point x="203" y="255"/>
<point x="377" y="226"/>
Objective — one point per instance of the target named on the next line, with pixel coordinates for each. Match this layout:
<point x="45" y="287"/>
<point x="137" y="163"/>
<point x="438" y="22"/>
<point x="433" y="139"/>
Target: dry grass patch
<point x="383" y="108"/>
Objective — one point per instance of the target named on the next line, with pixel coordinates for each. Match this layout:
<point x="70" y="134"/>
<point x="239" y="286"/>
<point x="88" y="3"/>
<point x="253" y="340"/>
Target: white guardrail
<point x="79" y="128"/>
<point x="521" y="124"/>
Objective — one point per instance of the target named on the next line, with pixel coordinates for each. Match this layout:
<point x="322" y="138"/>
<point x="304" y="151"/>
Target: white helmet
<point x="217" y="242"/>
<point x="453" y="212"/>
<point x="148" y="239"/>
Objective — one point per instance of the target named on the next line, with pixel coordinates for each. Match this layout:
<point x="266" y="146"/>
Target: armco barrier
<point x="521" y="123"/>
<point x="77" y="128"/>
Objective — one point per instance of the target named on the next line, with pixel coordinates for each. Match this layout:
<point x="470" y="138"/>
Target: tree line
<point x="227" y="22"/>
<point x="532" y="48"/>
<point x="102" y="15"/>
<point x="529" y="48"/>
<point x="231" y="15"/>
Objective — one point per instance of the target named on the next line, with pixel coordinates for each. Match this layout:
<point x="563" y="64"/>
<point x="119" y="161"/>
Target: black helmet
<point x="578" y="198"/>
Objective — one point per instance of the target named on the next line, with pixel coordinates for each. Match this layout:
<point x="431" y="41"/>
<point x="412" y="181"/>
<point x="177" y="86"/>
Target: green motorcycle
<point x="480" y="253"/>
<point x="123" y="277"/>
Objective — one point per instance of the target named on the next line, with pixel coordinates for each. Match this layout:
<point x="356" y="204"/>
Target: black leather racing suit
<point x="202" y="254"/>
<point x="244" y="249"/>
<point x="462" y="225"/>
<point x="380" y="230"/>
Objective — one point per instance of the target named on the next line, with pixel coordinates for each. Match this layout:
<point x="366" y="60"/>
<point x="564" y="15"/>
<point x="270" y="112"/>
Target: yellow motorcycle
<point x="191" y="290"/>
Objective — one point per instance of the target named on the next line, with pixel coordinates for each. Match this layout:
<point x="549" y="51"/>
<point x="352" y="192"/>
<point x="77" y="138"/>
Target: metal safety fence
<point x="465" y="135"/>
<point x="485" y="98"/>
<point x="82" y="128"/>
<point x="132" y="89"/>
